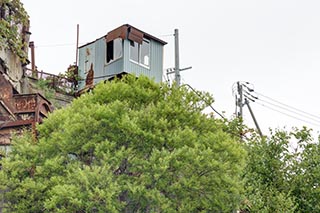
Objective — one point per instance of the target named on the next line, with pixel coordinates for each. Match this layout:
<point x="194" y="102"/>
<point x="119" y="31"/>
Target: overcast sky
<point x="274" y="45"/>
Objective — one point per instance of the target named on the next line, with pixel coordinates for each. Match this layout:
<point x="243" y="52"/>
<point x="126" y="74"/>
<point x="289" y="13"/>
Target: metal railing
<point x="58" y="83"/>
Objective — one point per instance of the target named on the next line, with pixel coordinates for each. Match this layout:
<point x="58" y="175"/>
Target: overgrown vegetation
<point x="44" y="86"/>
<point x="129" y="146"/>
<point x="13" y="19"/>
<point x="135" y="146"/>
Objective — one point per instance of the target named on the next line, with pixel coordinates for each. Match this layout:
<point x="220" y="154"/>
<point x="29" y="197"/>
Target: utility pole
<point x="240" y="99"/>
<point x="177" y="62"/>
<point x="243" y="95"/>
<point x="176" y="70"/>
<point x="253" y="117"/>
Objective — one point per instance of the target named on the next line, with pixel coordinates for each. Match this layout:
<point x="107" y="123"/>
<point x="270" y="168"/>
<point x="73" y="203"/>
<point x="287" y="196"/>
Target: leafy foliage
<point x="130" y="145"/>
<point x="283" y="173"/>
<point x="13" y="19"/>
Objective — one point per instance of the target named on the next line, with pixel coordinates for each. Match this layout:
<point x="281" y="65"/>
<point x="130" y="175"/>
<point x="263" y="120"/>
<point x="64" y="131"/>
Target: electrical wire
<point x="271" y="108"/>
<point x="166" y="35"/>
<point x="312" y="115"/>
<point x="57" y="45"/>
<point x="277" y="106"/>
<point x="289" y="110"/>
<point x="203" y="100"/>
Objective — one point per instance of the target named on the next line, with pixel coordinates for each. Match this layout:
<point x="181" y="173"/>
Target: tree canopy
<point x="130" y="145"/>
<point x="283" y="172"/>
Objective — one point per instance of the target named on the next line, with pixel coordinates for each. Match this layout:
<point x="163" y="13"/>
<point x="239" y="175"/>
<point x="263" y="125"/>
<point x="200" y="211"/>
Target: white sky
<point x="274" y="44"/>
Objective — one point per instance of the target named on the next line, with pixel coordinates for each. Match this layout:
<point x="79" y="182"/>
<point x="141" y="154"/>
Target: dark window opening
<point x="110" y="51"/>
<point x="114" y="50"/>
<point x="134" y="51"/>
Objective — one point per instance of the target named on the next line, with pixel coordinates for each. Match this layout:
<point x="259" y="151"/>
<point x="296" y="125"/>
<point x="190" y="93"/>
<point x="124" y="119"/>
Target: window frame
<point x="140" y="60"/>
<point x="113" y="51"/>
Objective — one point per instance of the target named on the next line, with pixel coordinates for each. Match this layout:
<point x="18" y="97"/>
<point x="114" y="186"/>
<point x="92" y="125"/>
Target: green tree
<point x="283" y="172"/>
<point x="130" y="145"/>
<point x="306" y="172"/>
<point x="266" y="174"/>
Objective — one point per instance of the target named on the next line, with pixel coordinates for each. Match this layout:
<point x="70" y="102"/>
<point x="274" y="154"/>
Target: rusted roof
<point x="127" y="31"/>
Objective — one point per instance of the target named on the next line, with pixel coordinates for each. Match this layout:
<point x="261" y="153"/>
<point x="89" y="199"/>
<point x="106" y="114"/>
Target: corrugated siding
<point x="100" y="47"/>
<point x="96" y="53"/>
<point x="86" y="57"/>
<point x="103" y="70"/>
<point x="106" y="70"/>
<point x="156" y="62"/>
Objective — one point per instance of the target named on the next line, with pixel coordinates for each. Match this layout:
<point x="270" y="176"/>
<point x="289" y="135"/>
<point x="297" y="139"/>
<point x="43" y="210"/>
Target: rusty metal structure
<point x="19" y="111"/>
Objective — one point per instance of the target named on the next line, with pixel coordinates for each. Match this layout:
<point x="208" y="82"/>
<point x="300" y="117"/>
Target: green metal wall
<point x="95" y="53"/>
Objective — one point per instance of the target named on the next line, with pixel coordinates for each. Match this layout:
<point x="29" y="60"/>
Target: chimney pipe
<point x="33" y="65"/>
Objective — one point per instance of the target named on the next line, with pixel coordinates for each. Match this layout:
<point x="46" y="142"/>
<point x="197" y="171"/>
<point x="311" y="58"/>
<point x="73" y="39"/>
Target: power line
<point x="274" y="105"/>
<point x="289" y="110"/>
<point x="57" y="45"/>
<point x="166" y="35"/>
<point x="287" y="105"/>
<point x="203" y="100"/>
<point x="271" y="108"/>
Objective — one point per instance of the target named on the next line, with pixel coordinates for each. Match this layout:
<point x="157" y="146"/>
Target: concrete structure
<point x="19" y="109"/>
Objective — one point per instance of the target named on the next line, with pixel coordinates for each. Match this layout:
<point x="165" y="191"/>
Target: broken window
<point x="134" y="51"/>
<point x="140" y="53"/>
<point x="145" y="52"/>
<point x="114" y="50"/>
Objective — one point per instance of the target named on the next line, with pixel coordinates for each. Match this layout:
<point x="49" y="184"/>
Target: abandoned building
<point x="124" y="50"/>
<point x="20" y="106"/>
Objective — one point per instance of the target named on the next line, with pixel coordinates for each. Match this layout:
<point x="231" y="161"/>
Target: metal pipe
<point x="77" y="48"/>
<point x="177" y="62"/>
<point x="33" y="65"/>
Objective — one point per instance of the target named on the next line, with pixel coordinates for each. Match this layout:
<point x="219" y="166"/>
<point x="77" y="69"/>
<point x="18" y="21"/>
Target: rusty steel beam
<point x="17" y="123"/>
